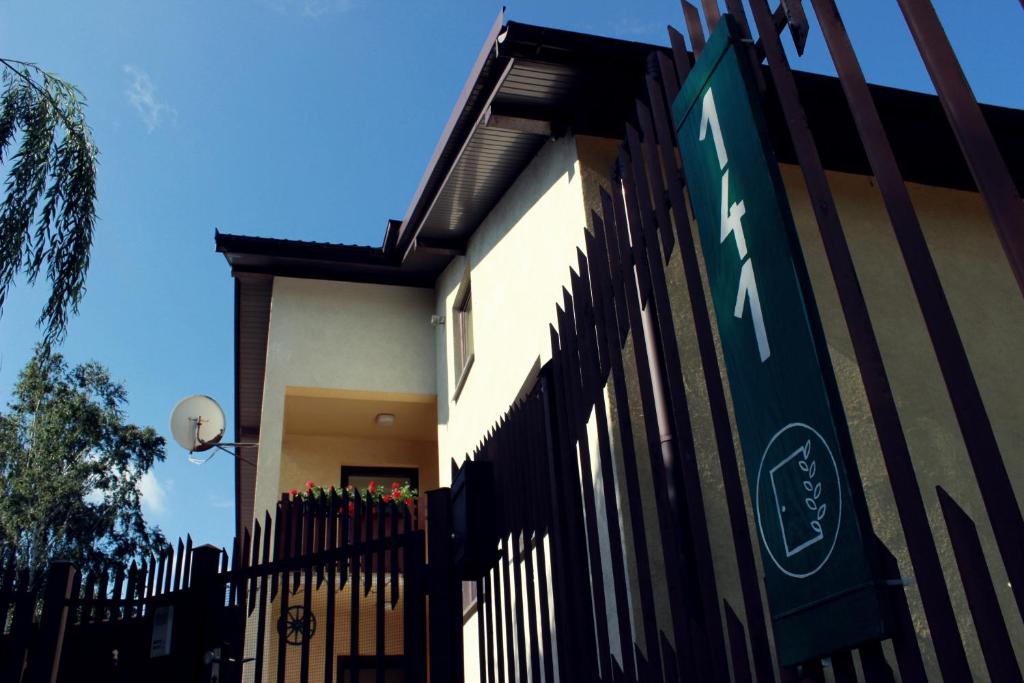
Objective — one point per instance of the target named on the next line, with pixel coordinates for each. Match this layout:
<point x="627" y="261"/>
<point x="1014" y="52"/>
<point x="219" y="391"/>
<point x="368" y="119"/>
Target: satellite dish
<point x="197" y="423"/>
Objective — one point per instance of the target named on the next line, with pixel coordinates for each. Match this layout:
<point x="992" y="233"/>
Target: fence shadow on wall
<point x="608" y="569"/>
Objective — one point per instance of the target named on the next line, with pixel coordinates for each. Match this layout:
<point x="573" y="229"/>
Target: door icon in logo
<point x="784" y="498"/>
<point x="798" y="501"/>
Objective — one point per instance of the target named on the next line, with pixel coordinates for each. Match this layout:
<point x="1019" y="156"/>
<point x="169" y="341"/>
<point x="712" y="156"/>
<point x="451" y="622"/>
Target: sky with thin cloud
<point x="304" y="119"/>
<point x="142" y="96"/>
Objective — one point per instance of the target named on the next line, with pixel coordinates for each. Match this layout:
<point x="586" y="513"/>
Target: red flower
<point x="386" y="498"/>
<point x="394" y="485"/>
<point x="351" y="508"/>
<point x="310" y="484"/>
<point x="373" y="486"/>
<point x="292" y="492"/>
<point x="408" y="501"/>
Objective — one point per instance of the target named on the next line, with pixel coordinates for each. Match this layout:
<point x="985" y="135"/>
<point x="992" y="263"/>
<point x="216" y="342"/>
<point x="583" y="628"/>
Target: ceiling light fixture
<point x="385" y="419"/>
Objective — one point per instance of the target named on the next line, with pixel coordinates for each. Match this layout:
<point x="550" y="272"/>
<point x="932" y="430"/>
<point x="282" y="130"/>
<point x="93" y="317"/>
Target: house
<point x="356" y="363"/>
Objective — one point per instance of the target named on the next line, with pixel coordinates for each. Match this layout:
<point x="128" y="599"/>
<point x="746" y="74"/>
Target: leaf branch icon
<point x="813" y="488"/>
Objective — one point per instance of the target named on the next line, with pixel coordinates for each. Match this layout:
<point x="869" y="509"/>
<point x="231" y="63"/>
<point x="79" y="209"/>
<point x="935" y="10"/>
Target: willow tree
<point x="48" y="211"/>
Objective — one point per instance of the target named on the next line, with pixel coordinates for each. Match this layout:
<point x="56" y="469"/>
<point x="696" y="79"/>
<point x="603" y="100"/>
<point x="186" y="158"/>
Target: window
<point x="462" y="330"/>
<point x="470" y="600"/>
<point x="360" y="477"/>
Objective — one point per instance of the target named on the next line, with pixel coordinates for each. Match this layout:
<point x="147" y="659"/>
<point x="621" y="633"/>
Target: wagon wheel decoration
<point x="297" y="625"/>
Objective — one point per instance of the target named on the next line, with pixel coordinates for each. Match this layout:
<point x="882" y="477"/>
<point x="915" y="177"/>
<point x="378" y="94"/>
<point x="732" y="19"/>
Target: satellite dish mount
<point x="197" y="425"/>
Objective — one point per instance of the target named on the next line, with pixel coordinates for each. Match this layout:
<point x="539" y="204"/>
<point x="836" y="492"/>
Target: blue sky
<point x="306" y="119"/>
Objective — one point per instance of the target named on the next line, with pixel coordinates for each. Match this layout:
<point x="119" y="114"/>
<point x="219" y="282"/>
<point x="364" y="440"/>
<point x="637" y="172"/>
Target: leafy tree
<point x="49" y="209"/>
<point x="70" y="467"/>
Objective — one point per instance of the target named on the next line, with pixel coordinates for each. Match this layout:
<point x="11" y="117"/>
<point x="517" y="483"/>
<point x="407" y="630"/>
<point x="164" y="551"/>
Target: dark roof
<point x="528" y="84"/>
<point x="531" y="83"/>
<point x="319" y="260"/>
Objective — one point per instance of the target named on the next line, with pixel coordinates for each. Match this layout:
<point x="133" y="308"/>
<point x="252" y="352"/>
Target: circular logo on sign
<point x="798" y="500"/>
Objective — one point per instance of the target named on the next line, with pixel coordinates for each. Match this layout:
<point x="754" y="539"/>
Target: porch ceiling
<point x="325" y="415"/>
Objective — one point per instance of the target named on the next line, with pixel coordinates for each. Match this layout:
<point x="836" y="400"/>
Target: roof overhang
<point x="530" y="84"/>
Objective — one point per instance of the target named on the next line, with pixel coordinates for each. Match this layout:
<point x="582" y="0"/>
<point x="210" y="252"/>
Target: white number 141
<point x="732" y="215"/>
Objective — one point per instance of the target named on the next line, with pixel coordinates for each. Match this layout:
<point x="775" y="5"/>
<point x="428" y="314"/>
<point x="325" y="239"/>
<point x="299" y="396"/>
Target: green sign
<point x="822" y="585"/>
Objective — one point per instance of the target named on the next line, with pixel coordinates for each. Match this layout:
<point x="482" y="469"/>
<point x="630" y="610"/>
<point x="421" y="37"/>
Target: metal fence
<point x="607" y="568"/>
<point x="330" y="588"/>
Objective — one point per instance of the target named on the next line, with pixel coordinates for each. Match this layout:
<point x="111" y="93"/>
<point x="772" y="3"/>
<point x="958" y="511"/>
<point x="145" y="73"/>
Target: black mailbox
<point x="474" y="527"/>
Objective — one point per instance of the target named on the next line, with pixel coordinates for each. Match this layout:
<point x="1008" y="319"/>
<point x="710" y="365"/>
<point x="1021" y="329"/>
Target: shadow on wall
<point x="554" y="163"/>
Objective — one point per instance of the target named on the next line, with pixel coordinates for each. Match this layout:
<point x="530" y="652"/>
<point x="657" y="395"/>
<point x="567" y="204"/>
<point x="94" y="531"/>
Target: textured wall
<point x="339" y="335"/>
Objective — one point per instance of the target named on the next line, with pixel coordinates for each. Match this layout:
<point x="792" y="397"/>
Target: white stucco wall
<point x="339" y="335"/>
<point x="518" y="260"/>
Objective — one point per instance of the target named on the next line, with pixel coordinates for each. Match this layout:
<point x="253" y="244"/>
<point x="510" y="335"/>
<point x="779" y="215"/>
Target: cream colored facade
<point x="337" y="352"/>
<point x="517" y="262"/>
<point x="339" y="349"/>
<point x="989" y="314"/>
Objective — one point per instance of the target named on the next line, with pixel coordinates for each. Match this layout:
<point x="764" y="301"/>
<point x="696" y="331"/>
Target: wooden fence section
<point x="328" y="589"/>
<point x="300" y="594"/>
<point x="18" y="594"/>
<point x="607" y="567"/>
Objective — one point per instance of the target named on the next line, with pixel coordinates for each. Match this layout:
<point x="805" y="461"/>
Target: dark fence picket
<point x="579" y="643"/>
<point x="309" y="514"/>
<point x="996" y="645"/>
<point x="872" y="661"/>
<point x="527" y="539"/>
<point x="102" y="596"/>
<point x="393" y="544"/>
<point x="88" y="599"/>
<point x="164" y="571"/>
<point x="598" y="267"/>
<point x="15" y="645"/>
<point x="368" y="534"/>
<point x="515" y="568"/>
<point x="241" y="581"/>
<point x="172" y="562"/>
<point x="359" y="512"/>
<point x="180" y="564"/>
<point x="131" y="586"/>
<point x="979" y="149"/>
<point x="330" y="545"/>
<point x="151" y="579"/>
<point x="383" y="512"/>
<point x="287" y="521"/>
<point x="263" y="601"/>
<point x="595" y="382"/>
<point x="534" y="452"/>
<point x="117" y="599"/>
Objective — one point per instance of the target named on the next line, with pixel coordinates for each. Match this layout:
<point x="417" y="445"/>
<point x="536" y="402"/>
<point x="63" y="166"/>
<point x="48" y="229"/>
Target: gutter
<point x="433" y="177"/>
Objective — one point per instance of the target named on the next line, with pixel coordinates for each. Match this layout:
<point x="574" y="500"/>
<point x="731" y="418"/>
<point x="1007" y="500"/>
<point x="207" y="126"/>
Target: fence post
<point x="15" y="646"/>
<point x="44" y="659"/>
<point x="445" y="633"/>
<point x="201" y="612"/>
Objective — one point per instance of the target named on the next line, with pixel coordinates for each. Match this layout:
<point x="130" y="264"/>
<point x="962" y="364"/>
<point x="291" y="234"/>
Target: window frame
<point x="462" y="337"/>
<point x="387" y="474"/>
